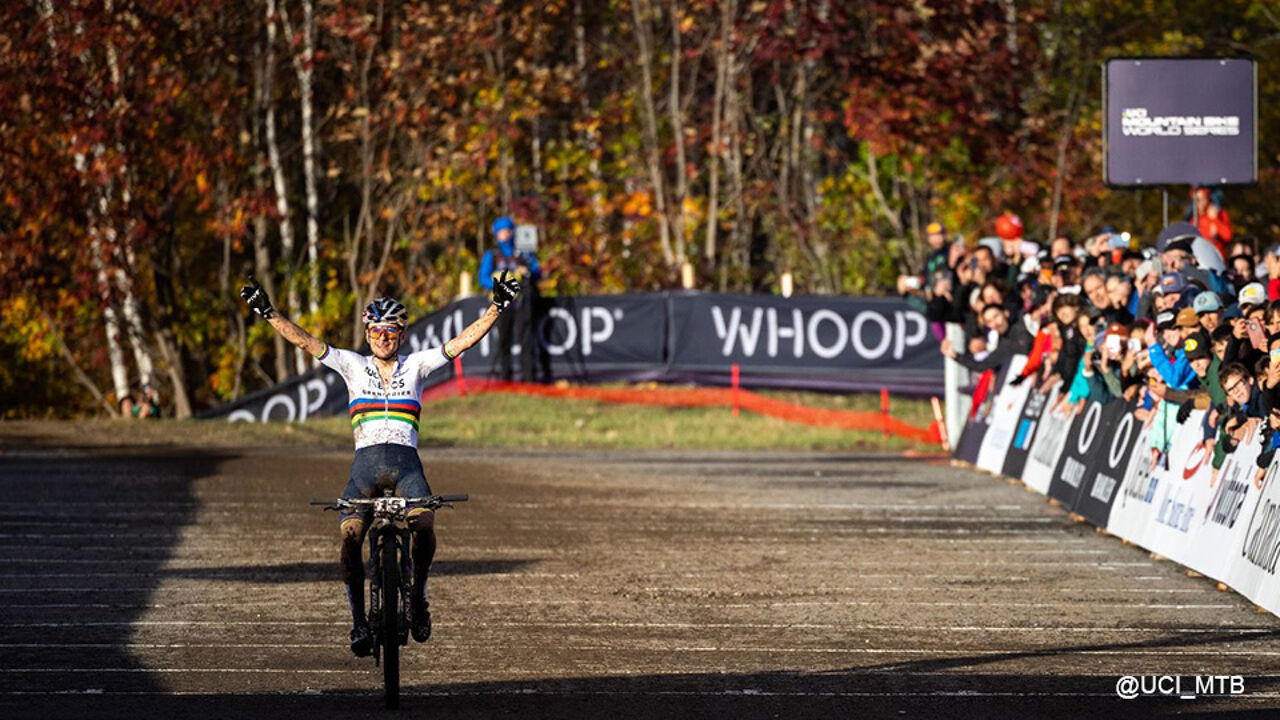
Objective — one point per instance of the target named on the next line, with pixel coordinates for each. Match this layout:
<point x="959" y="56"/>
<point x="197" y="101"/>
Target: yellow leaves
<point x="25" y="327"/>
<point x="202" y="182"/>
<point x="360" y="112"/>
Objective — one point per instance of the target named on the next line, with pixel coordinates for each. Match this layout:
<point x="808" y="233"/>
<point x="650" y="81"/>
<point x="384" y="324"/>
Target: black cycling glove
<point x="505" y="292"/>
<point x="257" y="299"/>
<point x="1184" y="411"/>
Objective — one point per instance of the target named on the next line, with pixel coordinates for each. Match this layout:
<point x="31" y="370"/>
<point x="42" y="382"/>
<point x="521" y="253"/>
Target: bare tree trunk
<point x="177" y="376"/>
<point x="111" y="323"/>
<point x="727" y="12"/>
<point x="261" y="252"/>
<point x="115" y="353"/>
<point x="590" y="136"/>
<point x="1060" y="165"/>
<point x="737" y="188"/>
<point x="123" y="275"/>
<point x="277" y="175"/>
<point x="677" y="132"/>
<point x="302" y="65"/>
<point x="224" y="285"/>
<point x="644" y="37"/>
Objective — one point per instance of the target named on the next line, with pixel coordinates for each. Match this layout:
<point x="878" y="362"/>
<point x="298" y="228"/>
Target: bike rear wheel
<point x="389" y="625"/>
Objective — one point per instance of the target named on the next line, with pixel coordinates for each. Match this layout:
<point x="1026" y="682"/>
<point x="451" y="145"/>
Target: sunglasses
<point x="384" y="333"/>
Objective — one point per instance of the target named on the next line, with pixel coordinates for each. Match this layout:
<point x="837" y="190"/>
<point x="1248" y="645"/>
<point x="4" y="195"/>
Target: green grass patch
<point x="501" y="420"/>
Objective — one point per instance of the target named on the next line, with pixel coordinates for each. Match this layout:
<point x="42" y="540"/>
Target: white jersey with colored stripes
<point x="384" y="413"/>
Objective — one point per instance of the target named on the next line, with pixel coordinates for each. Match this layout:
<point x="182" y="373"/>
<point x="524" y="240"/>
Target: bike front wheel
<point x="389" y="625"/>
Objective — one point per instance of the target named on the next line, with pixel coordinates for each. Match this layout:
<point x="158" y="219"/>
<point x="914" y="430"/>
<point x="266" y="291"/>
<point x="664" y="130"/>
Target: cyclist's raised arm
<point x="258" y="301"/>
<point x="504" y="293"/>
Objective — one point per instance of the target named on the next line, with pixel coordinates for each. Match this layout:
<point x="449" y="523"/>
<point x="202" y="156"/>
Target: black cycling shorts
<point x="377" y="467"/>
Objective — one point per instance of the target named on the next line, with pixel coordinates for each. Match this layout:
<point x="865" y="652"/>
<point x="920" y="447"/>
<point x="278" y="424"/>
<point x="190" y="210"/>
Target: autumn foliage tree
<point x="153" y="153"/>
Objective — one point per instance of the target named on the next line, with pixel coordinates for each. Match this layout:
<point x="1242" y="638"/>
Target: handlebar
<point x="433" y="502"/>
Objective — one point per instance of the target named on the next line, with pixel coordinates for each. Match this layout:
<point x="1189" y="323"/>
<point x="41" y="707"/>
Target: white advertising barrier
<point x="1046" y="449"/>
<point x="1181" y="496"/>
<point x="1215" y="527"/>
<point x="1005" y="412"/>
<point x="1256" y="549"/>
<point x="1134" y="505"/>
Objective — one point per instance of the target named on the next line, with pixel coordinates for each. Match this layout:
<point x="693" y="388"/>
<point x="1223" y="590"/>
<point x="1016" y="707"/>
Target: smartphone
<point x="1256" y="336"/>
<point x="1135" y="345"/>
<point x="1275" y="356"/>
<point x="973" y="263"/>
<point x="1113" y="344"/>
<point x="911" y="282"/>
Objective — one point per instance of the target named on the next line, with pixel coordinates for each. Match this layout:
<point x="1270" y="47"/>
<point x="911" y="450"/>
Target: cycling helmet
<point x="385" y="311"/>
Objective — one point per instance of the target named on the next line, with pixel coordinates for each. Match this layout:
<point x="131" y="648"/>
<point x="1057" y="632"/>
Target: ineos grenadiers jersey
<point x="384" y="415"/>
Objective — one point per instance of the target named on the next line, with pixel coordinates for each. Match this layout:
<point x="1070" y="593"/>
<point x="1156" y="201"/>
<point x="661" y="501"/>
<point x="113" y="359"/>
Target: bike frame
<point x="388" y="534"/>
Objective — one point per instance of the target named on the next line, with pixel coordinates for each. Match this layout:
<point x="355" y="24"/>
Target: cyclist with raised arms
<point x="385" y="392"/>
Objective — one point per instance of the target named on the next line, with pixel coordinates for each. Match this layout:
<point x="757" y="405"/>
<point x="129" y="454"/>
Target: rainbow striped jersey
<point x="383" y="414"/>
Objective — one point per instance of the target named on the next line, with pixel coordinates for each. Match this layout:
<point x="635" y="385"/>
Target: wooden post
<point x="734" y="375"/>
<point x="457" y="377"/>
<point x="884" y="410"/>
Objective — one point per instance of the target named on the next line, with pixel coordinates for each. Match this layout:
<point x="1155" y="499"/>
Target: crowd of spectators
<point x="1187" y="322"/>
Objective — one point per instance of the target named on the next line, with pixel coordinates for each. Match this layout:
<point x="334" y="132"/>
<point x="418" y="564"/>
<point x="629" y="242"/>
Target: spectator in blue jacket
<point x="517" y="325"/>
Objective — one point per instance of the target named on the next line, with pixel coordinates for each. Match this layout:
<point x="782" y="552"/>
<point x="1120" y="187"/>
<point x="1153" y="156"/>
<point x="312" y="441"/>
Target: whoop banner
<point x="1223" y="523"/>
<point x="822" y="343"/>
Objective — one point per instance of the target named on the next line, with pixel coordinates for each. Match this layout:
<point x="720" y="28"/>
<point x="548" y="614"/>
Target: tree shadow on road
<point x="66" y="499"/>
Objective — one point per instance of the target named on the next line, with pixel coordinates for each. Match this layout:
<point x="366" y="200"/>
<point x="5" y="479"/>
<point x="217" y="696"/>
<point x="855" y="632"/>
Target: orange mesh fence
<point x="701" y="397"/>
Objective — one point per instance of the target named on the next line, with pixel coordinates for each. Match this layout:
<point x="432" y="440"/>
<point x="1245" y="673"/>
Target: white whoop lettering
<point x="824" y="333"/>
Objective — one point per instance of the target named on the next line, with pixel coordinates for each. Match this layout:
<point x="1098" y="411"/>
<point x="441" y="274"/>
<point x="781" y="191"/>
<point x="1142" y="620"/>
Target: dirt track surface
<point x="178" y="583"/>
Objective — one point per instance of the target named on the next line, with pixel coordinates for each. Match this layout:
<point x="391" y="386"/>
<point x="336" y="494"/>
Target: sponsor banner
<point x="1111" y="454"/>
<point x="1232" y="495"/>
<point x="975" y="431"/>
<point x="1183" y="494"/>
<point x="1255" y="554"/>
<point x="1006" y="410"/>
<point x="1132" y="507"/>
<point x="1024" y="434"/>
<point x="826" y="343"/>
<point x="1079" y="453"/>
<point x="861" y="342"/>
<point x="1046" y="449"/>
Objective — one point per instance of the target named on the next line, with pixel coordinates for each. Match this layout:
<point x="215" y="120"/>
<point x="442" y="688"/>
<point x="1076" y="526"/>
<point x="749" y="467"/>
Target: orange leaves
<point x="638" y="204"/>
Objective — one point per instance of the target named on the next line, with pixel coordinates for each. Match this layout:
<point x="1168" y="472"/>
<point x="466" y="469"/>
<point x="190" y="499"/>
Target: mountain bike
<point x="390" y="573"/>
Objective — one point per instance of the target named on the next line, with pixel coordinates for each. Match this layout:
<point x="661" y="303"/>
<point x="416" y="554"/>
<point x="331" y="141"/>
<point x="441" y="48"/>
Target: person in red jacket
<point x="1211" y="220"/>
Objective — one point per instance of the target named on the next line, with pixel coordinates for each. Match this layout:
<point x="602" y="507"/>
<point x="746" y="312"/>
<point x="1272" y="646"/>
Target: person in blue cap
<point x="518" y="324"/>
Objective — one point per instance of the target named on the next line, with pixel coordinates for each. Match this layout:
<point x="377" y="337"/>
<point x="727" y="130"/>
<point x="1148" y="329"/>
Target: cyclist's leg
<point x="353" y="527"/>
<point x="421" y="521"/>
